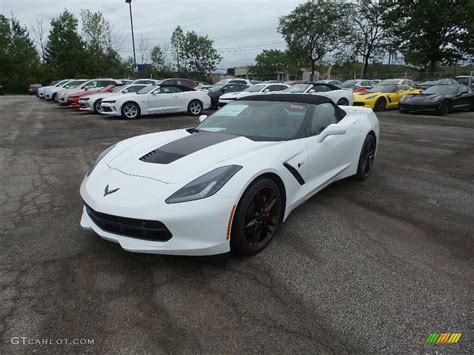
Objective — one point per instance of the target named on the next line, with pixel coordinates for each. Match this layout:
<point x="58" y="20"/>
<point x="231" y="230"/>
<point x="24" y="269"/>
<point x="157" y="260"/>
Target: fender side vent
<point x="295" y="173"/>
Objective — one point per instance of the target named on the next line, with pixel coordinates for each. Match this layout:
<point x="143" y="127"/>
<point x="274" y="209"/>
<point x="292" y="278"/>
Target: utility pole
<point x="129" y="2"/>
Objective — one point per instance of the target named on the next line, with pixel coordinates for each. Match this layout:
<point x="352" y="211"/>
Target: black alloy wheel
<point x="366" y="159"/>
<point x="380" y="104"/>
<point x="443" y="108"/>
<point x="257" y="218"/>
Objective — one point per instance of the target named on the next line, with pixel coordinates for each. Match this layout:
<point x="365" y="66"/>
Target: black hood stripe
<point x="179" y="148"/>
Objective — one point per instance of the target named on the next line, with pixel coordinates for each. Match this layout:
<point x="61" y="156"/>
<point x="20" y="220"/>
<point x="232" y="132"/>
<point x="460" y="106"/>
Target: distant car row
<point x="148" y="96"/>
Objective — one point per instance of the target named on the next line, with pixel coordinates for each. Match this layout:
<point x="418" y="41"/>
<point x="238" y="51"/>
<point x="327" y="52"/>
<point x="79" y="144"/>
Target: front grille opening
<point x="130" y="227"/>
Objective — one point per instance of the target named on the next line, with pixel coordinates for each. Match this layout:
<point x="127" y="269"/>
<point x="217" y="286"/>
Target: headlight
<point x="405" y="97"/>
<point x="371" y="97"/>
<point x="109" y="102"/>
<point x="435" y="98"/>
<point x="99" y="158"/>
<point x="205" y="185"/>
<point x="84" y="98"/>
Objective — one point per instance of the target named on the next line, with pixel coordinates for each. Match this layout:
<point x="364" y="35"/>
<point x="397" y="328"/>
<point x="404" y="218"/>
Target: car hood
<point x="424" y="98"/>
<point x="236" y="95"/>
<point x="179" y="156"/>
<point x="99" y="95"/>
<point x="115" y="96"/>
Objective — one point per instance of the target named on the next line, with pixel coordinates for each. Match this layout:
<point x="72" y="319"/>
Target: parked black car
<point x="2" y="92"/>
<point x="441" y="99"/>
<point x="217" y="91"/>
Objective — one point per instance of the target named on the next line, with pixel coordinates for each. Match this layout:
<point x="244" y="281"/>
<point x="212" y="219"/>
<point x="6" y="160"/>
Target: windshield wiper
<point x="193" y="130"/>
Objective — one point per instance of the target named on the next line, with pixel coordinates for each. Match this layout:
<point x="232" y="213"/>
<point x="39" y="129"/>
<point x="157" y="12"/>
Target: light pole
<point x="129" y="2"/>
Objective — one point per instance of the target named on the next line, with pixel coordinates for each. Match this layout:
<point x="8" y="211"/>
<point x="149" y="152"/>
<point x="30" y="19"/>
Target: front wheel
<point x="366" y="159"/>
<point x="443" y="108"/>
<point x="380" y="104"/>
<point x="98" y="107"/>
<point x="130" y="111"/>
<point x="343" y="102"/>
<point x="257" y="218"/>
<point x="195" y="108"/>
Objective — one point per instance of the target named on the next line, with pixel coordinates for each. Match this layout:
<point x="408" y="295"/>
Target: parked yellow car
<point x="383" y="96"/>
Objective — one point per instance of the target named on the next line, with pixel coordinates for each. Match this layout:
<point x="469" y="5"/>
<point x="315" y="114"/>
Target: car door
<point x="464" y="99"/>
<point x="394" y="97"/>
<point x="162" y="100"/>
<point x="328" y="157"/>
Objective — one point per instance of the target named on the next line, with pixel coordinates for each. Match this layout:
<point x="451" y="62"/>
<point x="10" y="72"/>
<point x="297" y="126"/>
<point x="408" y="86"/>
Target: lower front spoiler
<point x="418" y="108"/>
<point x="175" y="246"/>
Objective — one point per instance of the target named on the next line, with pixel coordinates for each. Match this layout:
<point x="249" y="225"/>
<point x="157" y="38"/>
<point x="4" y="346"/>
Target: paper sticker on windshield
<point x="297" y="107"/>
<point x="232" y="110"/>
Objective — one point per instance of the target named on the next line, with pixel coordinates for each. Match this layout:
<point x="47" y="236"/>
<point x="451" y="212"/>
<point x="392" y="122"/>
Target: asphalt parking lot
<point x="372" y="266"/>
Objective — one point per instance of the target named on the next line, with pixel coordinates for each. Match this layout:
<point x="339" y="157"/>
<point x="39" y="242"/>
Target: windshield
<point x="75" y="84"/>
<point x="119" y="88"/>
<point x="384" y="88"/>
<point x="259" y="120"/>
<point x="348" y="84"/>
<point x="217" y="87"/>
<point x="442" y="89"/>
<point x="390" y="81"/>
<point x="255" y="88"/>
<point x="297" y="89"/>
<point x="147" y="89"/>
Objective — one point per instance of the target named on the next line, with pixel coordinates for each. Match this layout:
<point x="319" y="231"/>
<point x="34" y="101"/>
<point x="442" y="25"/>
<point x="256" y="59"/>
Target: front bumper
<point x="84" y="106"/>
<point x="110" y="109"/>
<point x="365" y="103"/>
<point x="197" y="228"/>
<point x="421" y="107"/>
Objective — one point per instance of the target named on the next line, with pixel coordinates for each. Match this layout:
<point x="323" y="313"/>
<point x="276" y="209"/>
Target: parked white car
<point x="252" y="90"/>
<point x="52" y="93"/>
<point x="94" y="84"/>
<point x="44" y="89"/>
<point x="224" y="82"/>
<point x="407" y="82"/>
<point x="339" y="96"/>
<point x="92" y="103"/>
<point x="157" y="99"/>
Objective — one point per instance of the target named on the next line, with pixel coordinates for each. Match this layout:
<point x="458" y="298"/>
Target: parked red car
<point x="74" y="100"/>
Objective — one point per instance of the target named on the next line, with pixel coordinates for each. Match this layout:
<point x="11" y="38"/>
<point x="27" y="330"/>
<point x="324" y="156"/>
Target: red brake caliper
<point x="265" y="203"/>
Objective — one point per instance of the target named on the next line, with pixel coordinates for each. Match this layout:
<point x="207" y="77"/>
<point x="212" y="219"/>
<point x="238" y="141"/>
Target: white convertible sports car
<point x="157" y="99"/>
<point x="228" y="183"/>
<point x="93" y="102"/>
<point x="251" y="90"/>
<point x="339" y="96"/>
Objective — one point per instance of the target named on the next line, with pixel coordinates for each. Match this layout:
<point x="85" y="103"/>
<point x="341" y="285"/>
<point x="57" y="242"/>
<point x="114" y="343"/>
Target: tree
<point x="65" y="52"/>
<point x="38" y="32"/>
<point x="19" y="60"/>
<point x="198" y="54"/>
<point x="270" y="63"/>
<point x="432" y="32"/>
<point x="314" y="29"/>
<point x="367" y="36"/>
<point x="177" y="43"/>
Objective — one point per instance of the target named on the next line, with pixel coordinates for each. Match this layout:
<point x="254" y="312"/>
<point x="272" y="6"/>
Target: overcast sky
<point x="240" y="28"/>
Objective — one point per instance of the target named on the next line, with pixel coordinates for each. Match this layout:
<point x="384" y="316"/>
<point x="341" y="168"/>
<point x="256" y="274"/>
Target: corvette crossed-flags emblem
<point x="108" y="192"/>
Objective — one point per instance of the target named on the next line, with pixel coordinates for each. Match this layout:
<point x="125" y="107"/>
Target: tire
<point x="130" y="111"/>
<point x="53" y="98"/>
<point x="380" y="104"/>
<point x="366" y="158"/>
<point x="257" y="217"/>
<point x="343" y="102"/>
<point x="195" y="108"/>
<point x="97" y="108"/>
<point x="443" y="108"/>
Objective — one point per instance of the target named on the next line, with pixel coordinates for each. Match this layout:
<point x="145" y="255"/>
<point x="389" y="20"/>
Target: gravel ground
<point x="361" y="267"/>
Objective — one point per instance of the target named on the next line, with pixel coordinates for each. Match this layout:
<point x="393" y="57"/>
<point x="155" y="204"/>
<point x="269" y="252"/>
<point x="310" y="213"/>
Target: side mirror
<point x="331" y="130"/>
<point x="266" y="90"/>
<point x="202" y="118"/>
<point x="312" y="91"/>
<point x="125" y="91"/>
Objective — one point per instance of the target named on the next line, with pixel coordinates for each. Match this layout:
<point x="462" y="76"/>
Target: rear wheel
<point x="130" y="111"/>
<point x="380" y="104"/>
<point x="257" y="217"/>
<point x="97" y="106"/>
<point x="366" y="159"/>
<point x="343" y="102"/>
<point x="53" y="98"/>
<point x="443" y="108"/>
<point x="195" y="108"/>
